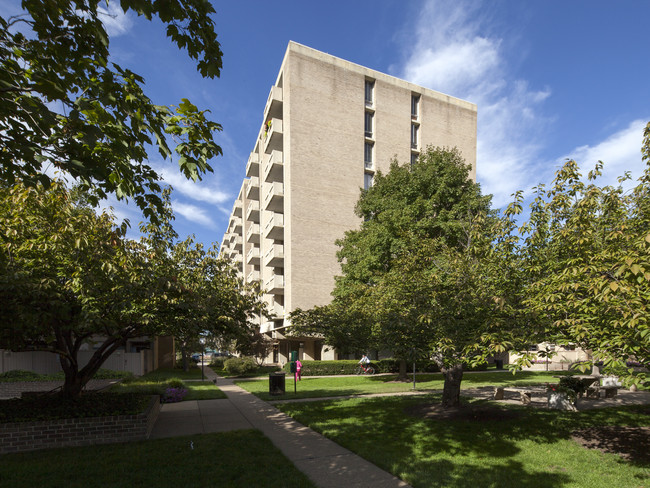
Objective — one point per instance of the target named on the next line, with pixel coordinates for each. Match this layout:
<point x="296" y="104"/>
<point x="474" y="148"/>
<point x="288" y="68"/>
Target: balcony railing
<point x="253" y="255"/>
<point x="274" y="228"/>
<point x="237" y="210"/>
<point x="274" y="256"/>
<point x="273" y="106"/>
<point x="273" y="135"/>
<point x="253" y="188"/>
<point x="273" y="169"/>
<point x="253" y="233"/>
<point x="253" y="276"/>
<point x="275" y="285"/>
<point x="253" y="211"/>
<point x="274" y="198"/>
<point x="253" y="165"/>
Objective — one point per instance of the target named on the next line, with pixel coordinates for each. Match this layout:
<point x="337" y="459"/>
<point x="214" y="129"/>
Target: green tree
<point x="67" y="278"/>
<point x="64" y="105"/>
<point x="429" y="269"/>
<point x="207" y="298"/>
<point x="587" y="247"/>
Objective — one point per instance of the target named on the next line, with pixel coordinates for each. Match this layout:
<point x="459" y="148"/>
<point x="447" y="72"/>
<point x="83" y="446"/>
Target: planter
<point x="559" y="401"/>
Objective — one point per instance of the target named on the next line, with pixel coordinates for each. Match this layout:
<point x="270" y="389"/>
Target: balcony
<point x="238" y="208"/>
<point x="253" y="188"/>
<point x="277" y="310"/>
<point x="253" y="211"/>
<point x="273" y="106"/>
<point x="274" y="198"/>
<point x="274" y="228"/>
<point x="253" y="165"/>
<point x="235" y="225"/>
<point x="274" y="256"/>
<point x="236" y="243"/>
<point x="274" y="168"/>
<point x="253" y="233"/>
<point x="253" y="256"/>
<point x="275" y="285"/>
<point x="253" y="276"/>
<point x="273" y="136"/>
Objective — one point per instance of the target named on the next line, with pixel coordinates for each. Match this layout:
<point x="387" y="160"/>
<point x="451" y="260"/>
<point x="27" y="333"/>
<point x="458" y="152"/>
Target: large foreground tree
<point x="69" y="277"/>
<point x="64" y="106"/>
<point x="428" y="272"/>
<point x="587" y="248"/>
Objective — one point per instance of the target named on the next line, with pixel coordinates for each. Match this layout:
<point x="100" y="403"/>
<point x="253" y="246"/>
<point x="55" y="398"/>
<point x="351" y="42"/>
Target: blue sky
<point x="552" y="80"/>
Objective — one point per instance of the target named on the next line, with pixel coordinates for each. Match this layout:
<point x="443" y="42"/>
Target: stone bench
<point x="594" y="391"/>
<point x="524" y="395"/>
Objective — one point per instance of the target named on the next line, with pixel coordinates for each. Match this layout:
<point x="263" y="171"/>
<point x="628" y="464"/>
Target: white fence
<point x="137" y="363"/>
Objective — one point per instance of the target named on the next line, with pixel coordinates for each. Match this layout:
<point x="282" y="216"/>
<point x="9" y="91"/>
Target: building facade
<point x="327" y="127"/>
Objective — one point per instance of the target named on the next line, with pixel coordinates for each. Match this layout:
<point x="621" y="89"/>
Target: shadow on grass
<point x="518" y="450"/>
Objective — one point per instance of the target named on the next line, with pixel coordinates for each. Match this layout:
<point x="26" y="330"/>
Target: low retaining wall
<point x="31" y="436"/>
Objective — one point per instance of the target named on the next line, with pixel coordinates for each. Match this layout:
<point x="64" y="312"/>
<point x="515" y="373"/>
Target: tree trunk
<point x="186" y="357"/>
<point x="402" y="371"/>
<point x="451" y="390"/>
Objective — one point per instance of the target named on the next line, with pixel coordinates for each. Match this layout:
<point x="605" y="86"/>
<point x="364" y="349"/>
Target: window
<point x="367" y="155"/>
<point x="415" y="102"/>
<point x="368" y="124"/>
<point x="414" y="158"/>
<point x="367" y="181"/>
<point x="370" y="88"/>
<point x="414" y="136"/>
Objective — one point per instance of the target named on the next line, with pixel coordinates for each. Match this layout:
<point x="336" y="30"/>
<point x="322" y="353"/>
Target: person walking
<point x="298" y="368"/>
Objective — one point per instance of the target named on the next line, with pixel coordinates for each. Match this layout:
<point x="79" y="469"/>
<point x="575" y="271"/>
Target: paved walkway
<point x="327" y="464"/>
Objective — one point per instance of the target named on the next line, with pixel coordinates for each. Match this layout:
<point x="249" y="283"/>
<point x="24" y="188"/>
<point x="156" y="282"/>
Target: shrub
<point x="217" y="362"/>
<point x="109" y="374"/>
<point x="573" y="384"/>
<point x="21" y="375"/>
<point x="240" y="366"/>
<point x="174" y="383"/>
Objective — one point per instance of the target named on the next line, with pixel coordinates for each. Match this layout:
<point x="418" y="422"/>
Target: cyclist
<point x="364" y="362"/>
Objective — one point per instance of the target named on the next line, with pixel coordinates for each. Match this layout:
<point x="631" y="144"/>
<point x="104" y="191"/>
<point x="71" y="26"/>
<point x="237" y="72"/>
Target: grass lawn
<point x="533" y="449"/>
<point x="358" y="385"/>
<point x="229" y="459"/>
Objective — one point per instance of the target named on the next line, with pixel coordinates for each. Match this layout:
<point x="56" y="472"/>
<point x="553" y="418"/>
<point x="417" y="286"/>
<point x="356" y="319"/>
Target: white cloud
<point x="454" y="53"/>
<point x="620" y="152"/>
<point x="115" y="21"/>
<point x="203" y="191"/>
<point x="193" y="214"/>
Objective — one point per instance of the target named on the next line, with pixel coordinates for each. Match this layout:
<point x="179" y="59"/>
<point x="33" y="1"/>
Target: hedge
<point x="342" y="367"/>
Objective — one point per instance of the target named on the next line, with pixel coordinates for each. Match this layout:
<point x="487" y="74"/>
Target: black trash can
<point x="499" y="363"/>
<point x="276" y="383"/>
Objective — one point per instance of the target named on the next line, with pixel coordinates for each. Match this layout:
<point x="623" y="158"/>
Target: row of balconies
<point x="273" y="200"/>
<point x="274" y="256"/>
<point x="272" y="167"/>
<point x="274" y="229"/>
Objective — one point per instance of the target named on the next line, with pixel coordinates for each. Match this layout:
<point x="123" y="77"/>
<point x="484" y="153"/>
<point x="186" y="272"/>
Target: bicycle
<point x="369" y="369"/>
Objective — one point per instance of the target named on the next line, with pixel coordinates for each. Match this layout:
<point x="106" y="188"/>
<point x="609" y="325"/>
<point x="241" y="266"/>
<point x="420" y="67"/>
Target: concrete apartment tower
<point x="328" y="125"/>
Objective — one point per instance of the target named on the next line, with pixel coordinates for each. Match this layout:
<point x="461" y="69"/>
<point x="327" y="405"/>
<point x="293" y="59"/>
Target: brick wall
<point x="31" y="436"/>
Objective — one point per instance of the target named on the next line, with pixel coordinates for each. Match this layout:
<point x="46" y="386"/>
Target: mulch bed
<point x="631" y="443"/>
<point x="480" y="412"/>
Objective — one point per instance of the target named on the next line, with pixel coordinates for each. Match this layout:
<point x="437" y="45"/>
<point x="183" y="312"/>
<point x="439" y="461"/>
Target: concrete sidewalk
<point x="327" y="464"/>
